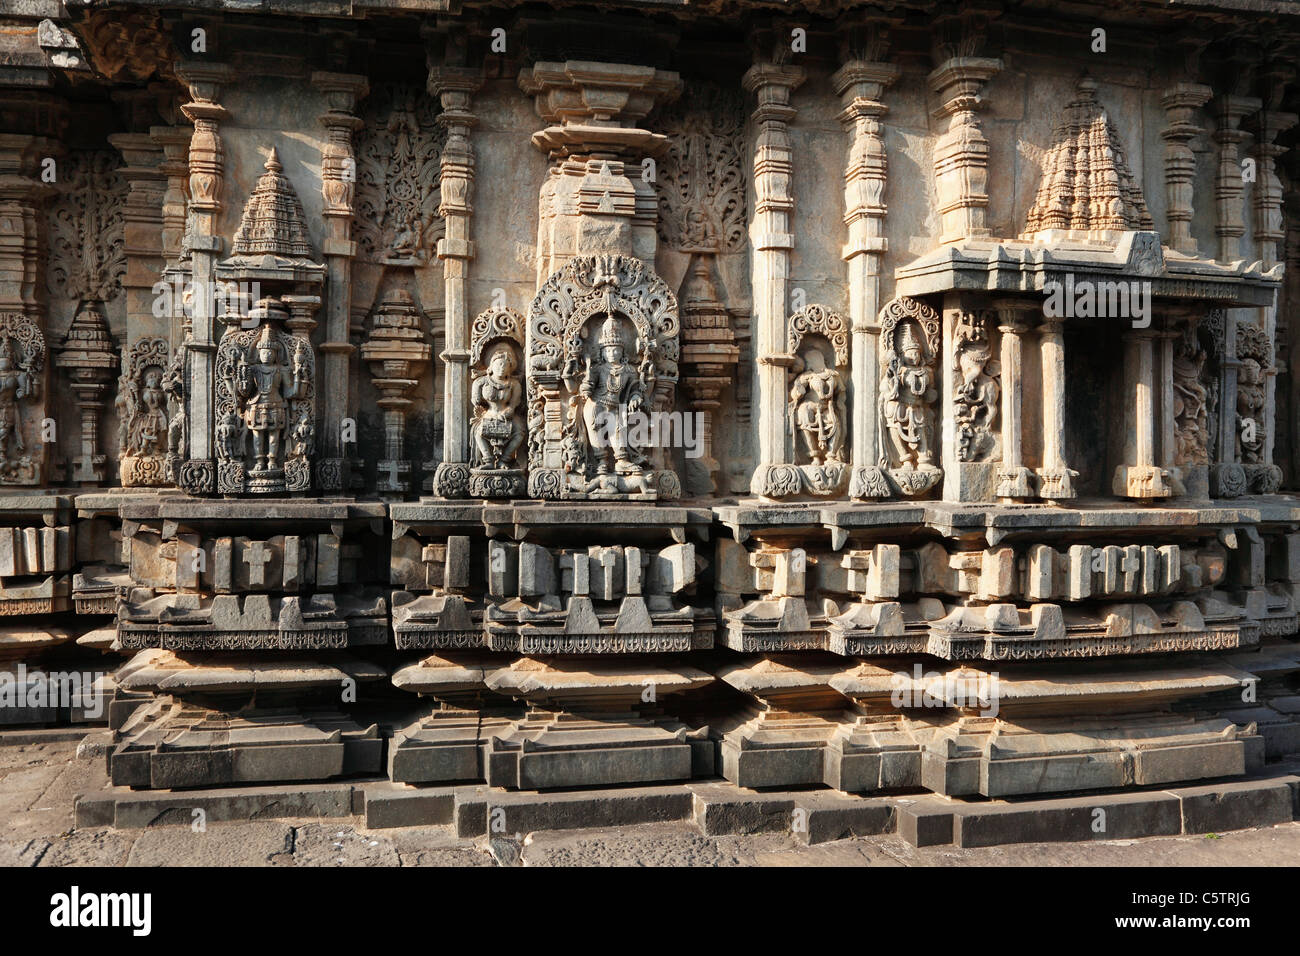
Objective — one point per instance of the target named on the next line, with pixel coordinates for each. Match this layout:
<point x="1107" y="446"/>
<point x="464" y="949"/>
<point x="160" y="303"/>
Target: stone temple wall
<point x="898" y="399"/>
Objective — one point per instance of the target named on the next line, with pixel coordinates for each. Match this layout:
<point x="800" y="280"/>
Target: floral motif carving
<point x="701" y="178"/>
<point x="87" y="244"/>
<point x="399" y="175"/>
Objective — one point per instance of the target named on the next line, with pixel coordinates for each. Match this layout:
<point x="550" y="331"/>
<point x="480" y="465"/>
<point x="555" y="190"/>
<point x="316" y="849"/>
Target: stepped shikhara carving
<point x="640" y="404"/>
<point x="1087" y="185"/>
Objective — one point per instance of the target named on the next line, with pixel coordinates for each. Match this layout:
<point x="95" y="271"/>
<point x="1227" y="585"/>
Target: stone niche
<point x="602" y="376"/>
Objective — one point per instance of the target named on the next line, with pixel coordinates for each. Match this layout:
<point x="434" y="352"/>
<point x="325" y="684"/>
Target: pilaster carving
<point x="1181" y="103"/>
<point x="961" y="153"/>
<point x="89" y="357"/>
<point x="397" y="354"/>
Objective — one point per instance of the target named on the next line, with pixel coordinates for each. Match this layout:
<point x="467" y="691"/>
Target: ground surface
<point x="38" y="783"/>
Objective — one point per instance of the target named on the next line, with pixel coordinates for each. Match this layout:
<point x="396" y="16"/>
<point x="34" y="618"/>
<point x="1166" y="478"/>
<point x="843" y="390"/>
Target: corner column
<point x="455" y="87"/>
<point x="771" y="241"/>
<point x="860" y="84"/>
<point x="197" y="475"/>
<point x="1056" y="478"/>
<point x="338" y="188"/>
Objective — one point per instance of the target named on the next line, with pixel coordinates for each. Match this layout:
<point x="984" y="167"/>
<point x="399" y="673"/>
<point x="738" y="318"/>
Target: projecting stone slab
<point x="1233" y="806"/>
<point x="400" y="806"/>
<point x="1109" y="817"/>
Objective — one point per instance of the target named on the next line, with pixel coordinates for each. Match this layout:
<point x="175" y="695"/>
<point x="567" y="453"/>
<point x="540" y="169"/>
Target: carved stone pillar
<point x="175" y="144"/>
<point x="709" y="354"/>
<point x="1228" y="185"/>
<point x="771" y="240"/>
<point x="1056" y="478"/>
<point x="338" y="187"/>
<point x="1181" y="102"/>
<point x="1269" y="232"/>
<point x="1168" y="457"/>
<point x="397" y="354"/>
<point x="1140" y="478"/>
<point x="89" y="357"/>
<point x="455" y="88"/>
<point x="860" y="85"/>
<point x="961" y="154"/>
<point x="207" y="176"/>
<point x="1014" y="480"/>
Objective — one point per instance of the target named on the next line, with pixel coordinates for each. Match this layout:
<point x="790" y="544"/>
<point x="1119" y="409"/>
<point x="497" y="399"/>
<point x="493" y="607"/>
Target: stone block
<point x="1235" y="806"/>
<point x="387" y="806"/>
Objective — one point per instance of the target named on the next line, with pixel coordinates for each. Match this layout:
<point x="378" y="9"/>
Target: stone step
<point x="719" y="808"/>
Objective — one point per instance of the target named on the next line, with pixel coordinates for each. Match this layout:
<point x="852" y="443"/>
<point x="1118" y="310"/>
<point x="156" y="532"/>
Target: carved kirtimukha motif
<point x="602" y="353"/>
<point x="265" y="407"/>
<point x="399" y="154"/>
<point x="977" y="388"/>
<point x="22" y="364"/>
<point x="143" y="424"/>
<point x="496" y="396"/>
<point x="909" y="342"/>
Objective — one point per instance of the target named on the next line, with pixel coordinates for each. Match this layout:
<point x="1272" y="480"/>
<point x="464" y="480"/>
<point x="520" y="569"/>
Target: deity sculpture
<point x="818" y="409"/>
<point x="976" y="399"/>
<point x="265" y="384"/>
<point x="909" y="394"/>
<point x="1251" y="399"/>
<point x="173" y="386"/>
<point x="611" y="389"/>
<point x="1191" y="402"/>
<point x="16" y="384"/>
<point x="498" y="429"/>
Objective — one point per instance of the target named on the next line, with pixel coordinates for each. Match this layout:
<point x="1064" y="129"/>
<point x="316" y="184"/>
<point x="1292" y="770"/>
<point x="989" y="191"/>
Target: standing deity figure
<point x="173" y="386"/>
<point x="910" y="394"/>
<point x="149" y="423"/>
<point x="817" y="409"/>
<point x="498" y="431"/>
<point x="1250" y="410"/>
<point x="1191" y="403"/>
<point x="610" y="390"/>
<point x="15" y="385"/>
<point x="265" y="385"/>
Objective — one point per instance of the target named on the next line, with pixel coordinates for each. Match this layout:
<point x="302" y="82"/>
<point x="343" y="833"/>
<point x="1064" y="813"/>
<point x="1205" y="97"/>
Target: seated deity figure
<point x="15" y="385"/>
<point x="909" y="401"/>
<point x="498" y="431"/>
<point x="611" y="389"/>
<point x="265" y="385"/>
<point x="817" y="409"/>
<point x="148" y="429"/>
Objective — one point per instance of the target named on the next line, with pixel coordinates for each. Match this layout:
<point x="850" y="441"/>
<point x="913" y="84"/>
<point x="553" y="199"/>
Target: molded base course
<point x="718" y="808"/>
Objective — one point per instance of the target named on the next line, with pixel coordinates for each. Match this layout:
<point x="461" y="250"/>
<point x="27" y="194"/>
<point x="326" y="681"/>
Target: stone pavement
<point x="39" y="781"/>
